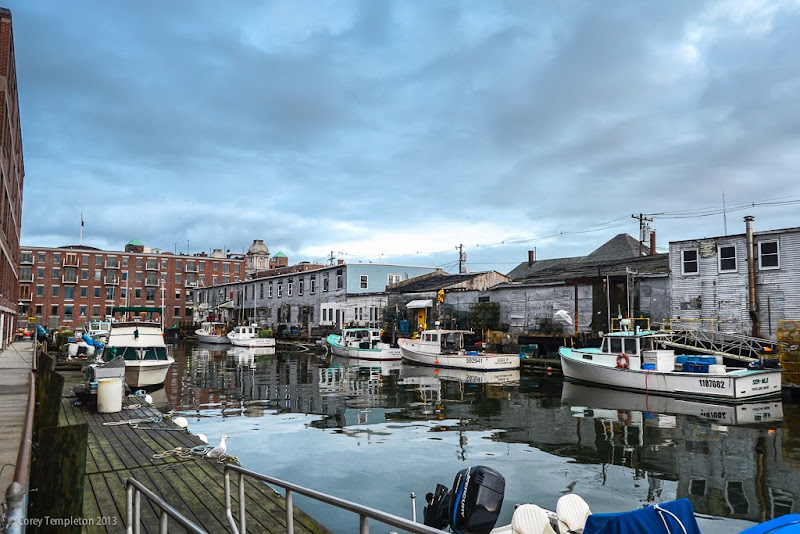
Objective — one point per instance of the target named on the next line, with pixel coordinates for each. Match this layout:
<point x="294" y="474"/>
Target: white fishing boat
<point x="633" y="360"/>
<point x="249" y="336"/>
<point x="212" y="332"/>
<point x="362" y="343"/>
<point x="98" y="330"/>
<point x="141" y="345"/>
<point x="446" y="348"/>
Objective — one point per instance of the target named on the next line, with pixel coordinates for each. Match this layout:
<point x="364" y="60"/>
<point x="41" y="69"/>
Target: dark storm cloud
<point x="391" y="127"/>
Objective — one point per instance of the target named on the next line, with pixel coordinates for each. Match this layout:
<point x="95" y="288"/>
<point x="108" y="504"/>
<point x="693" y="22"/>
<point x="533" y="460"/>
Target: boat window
<point x="616" y="344"/>
<point x="630" y="345"/>
<point x="646" y="343"/>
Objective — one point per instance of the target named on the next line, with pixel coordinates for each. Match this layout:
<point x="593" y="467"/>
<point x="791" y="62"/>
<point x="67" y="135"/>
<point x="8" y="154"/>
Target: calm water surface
<point x="373" y="433"/>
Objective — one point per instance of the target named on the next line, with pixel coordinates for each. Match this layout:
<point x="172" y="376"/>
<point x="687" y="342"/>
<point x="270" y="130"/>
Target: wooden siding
<point x="723" y="296"/>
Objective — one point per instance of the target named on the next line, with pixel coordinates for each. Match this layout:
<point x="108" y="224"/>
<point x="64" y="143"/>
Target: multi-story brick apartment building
<point x="67" y="286"/>
<point x="12" y="174"/>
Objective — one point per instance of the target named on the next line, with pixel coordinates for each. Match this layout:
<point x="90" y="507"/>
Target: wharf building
<point x="12" y="174"/>
<point x="67" y="286"/>
<point x="306" y="296"/>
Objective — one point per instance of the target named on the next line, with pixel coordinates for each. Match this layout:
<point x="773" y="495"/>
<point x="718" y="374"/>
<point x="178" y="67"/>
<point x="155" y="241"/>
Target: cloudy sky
<point x="395" y="131"/>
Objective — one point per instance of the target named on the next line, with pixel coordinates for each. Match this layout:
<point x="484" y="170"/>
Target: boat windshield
<point x="149" y="353"/>
<point x="452" y="341"/>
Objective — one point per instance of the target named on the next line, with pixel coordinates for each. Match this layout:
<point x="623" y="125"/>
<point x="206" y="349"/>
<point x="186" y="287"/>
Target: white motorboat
<point x="141" y="345"/>
<point x="98" y="330"/>
<point x="445" y="348"/>
<point x="249" y="336"/>
<point x="212" y="332"/>
<point x="362" y="343"/>
<point x="632" y="360"/>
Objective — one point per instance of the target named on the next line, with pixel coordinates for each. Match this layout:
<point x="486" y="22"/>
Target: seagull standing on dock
<point x="220" y="449"/>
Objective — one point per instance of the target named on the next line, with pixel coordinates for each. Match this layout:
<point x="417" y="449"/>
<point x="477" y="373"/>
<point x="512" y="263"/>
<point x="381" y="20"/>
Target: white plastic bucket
<point x="72" y="349"/>
<point x="109" y="395"/>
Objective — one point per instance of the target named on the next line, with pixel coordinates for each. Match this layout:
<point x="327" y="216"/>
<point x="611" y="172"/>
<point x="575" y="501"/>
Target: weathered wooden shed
<point x="745" y="283"/>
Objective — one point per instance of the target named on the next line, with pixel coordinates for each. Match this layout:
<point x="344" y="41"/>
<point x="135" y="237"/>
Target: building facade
<point x="298" y="301"/>
<point x="713" y="286"/>
<point x="67" y="286"/>
<point x="12" y="174"/>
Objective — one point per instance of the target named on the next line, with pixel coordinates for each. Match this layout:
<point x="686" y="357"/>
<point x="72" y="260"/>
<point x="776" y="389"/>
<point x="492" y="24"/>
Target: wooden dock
<point x="194" y="487"/>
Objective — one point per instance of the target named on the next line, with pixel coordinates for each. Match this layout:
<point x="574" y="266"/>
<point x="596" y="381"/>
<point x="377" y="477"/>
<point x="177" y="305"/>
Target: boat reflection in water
<point x="725" y="458"/>
<point x="408" y="374"/>
<point x="641" y="407"/>
<point x="248" y="356"/>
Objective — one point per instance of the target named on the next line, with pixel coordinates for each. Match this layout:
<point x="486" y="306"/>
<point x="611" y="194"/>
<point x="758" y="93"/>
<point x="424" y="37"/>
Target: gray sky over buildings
<point x="395" y="131"/>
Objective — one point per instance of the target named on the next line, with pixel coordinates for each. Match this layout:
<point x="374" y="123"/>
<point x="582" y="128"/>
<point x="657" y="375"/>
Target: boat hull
<point x="478" y="361"/>
<point x="144" y="373"/>
<point x="254" y="342"/>
<point x="733" y="386"/>
<point x="374" y="354"/>
<point x="213" y="339"/>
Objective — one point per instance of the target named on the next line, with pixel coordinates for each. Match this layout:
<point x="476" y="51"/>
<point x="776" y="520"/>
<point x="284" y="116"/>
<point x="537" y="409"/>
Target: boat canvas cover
<point x="674" y="517"/>
<point x="785" y="524"/>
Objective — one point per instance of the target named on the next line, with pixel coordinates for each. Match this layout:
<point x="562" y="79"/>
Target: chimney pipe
<point x="652" y="243"/>
<point x="531" y="257"/>
<point x="751" y="276"/>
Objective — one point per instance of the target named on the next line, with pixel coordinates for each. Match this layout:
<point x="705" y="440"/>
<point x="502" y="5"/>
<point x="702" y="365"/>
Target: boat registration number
<point x="474" y="360"/>
<point x="708" y="383"/>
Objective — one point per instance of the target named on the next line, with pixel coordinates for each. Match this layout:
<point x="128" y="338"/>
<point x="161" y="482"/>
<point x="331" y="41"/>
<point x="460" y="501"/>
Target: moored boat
<point x="249" y="336"/>
<point x="141" y="345"/>
<point x="446" y="348"/>
<point x="362" y="343"/>
<point x="212" y="332"/>
<point x="634" y="360"/>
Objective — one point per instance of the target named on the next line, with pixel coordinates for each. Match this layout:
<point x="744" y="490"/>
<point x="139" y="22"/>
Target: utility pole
<point x="461" y="259"/>
<point x="643" y="220"/>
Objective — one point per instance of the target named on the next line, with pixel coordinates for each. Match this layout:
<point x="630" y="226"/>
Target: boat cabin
<point x="448" y="341"/>
<point x="364" y="338"/>
<point x="97" y="328"/>
<point x="630" y="343"/>
<point x="246" y="331"/>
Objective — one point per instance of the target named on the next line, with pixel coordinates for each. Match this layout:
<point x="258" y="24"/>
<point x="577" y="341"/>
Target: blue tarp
<point x="656" y="519"/>
<point x="786" y="524"/>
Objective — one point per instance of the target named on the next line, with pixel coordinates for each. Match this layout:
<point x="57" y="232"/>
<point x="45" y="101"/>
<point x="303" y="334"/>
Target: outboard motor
<point x="472" y="506"/>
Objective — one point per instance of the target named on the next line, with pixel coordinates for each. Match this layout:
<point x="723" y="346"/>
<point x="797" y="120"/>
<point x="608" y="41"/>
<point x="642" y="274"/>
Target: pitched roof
<point x="279" y="255"/>
<point x="621" y="247"/>
<point x="135" y="243"/>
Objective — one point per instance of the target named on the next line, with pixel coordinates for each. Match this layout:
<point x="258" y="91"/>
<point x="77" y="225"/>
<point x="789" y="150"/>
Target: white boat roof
<point x="124" y="335"/>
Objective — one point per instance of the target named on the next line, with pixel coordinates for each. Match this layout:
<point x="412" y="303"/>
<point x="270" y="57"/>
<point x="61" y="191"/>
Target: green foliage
<point x="265" y="333"/>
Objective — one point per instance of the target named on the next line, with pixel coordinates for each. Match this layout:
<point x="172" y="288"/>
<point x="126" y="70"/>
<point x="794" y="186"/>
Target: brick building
<point x="67" y="286"/>
<point x="12" y="173"/>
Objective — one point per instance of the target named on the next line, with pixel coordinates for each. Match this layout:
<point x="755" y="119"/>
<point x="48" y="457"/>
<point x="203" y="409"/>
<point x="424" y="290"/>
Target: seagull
<point x="219" y="450"/>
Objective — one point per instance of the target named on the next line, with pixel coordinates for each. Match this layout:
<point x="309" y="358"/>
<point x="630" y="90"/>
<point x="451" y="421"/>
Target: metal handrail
<point x="365" y="513"/>
<point x="17" y="492"/>
<point x="134" y="489"/>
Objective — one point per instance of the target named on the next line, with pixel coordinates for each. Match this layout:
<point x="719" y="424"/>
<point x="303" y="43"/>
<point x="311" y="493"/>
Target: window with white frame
<point x="768" y="257"/>
<point x="269" y="291"/>
<point x="289" y="288"/>
<point x="364" y="281"/>
<point x="393" y="278"/>
<point x="727" y="258"/>
<point x="689" y="261"/>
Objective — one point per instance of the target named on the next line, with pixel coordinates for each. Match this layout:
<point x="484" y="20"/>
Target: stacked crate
<point x="789" y="351"/>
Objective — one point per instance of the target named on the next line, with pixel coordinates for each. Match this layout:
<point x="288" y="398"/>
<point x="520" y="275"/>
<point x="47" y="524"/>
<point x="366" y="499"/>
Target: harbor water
<point x="374" y="432"/>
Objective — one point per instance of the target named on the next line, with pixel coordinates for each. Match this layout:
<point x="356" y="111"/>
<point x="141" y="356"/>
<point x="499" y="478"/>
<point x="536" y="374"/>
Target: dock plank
<point x="194" y="487"/>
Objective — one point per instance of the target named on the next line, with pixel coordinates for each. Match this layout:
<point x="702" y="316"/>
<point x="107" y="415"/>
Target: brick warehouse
<point x="12" y="173"/>
<point x="67" y="286"/>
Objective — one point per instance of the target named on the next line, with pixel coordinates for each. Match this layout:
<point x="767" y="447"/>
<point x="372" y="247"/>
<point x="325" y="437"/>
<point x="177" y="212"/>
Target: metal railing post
<point x="228" y="507"/>
<point x="363" y="524"/>
<point x="242" y="516"/>
<point x="129" y="509"/>
<point x="289" y="512"/>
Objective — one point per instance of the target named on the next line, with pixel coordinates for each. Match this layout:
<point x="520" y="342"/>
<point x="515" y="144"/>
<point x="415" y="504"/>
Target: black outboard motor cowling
<point x="435" y="514"/>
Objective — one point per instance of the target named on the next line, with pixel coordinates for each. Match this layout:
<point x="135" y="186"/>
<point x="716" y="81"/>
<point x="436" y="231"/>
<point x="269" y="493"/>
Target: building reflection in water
<point x="731" y="461"/>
